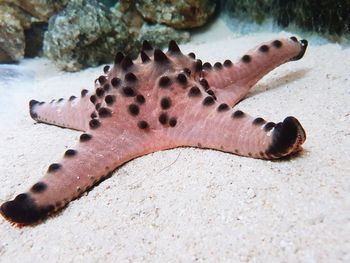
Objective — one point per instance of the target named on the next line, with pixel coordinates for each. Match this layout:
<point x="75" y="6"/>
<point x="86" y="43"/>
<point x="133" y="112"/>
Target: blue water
<point x="248" y="27"/>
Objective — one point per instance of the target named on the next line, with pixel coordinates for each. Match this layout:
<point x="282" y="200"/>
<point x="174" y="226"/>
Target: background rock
<point x="21" y="26"/>
<point x="40" y="9"/>
<point x="126" y="11"/>
<point x="87" y="33"/>
<point x="139" y="30"/>
<point x="11" y="36"/>
<point x="178" y="14"/>
<point x="84" y="34"/>
<point x="160" y="35"/>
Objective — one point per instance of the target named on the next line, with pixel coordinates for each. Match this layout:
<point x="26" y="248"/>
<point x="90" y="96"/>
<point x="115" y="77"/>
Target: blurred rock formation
<point x="75" y="34"/>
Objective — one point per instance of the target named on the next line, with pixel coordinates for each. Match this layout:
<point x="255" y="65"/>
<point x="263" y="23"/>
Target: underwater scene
<point x="174" y="131"/>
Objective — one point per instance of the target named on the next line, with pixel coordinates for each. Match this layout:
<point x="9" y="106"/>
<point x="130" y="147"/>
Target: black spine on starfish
<point x="126" y="63"/>
<point x="198" y="65"/>
<point x="106" y="69"/>
<point x="146" y="46"/>
<point x="192" y="55"/>
<point x="160" y="57"/>
<point x="173" y="47"/>
<point x="144" y="57"/>
<point x="118" y="58"/>
<point x="32" y="103"/>
<point x="304" y="44"/>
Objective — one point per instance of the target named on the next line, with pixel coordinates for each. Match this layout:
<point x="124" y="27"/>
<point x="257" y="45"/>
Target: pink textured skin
<point x="119" y="134"/>
<point x="236" y="81"/>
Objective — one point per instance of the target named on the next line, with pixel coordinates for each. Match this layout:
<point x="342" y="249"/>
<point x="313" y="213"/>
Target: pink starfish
<point x="159" y="101"/>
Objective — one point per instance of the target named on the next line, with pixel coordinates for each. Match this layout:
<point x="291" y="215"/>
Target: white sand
<point x="188" y="204"/>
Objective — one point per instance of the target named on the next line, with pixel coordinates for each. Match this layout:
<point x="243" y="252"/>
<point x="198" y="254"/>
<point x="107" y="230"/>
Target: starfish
<point x="158" y="101"/>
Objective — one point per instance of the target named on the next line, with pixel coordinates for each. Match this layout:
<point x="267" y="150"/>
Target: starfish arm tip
<point x="22" y="210"/>
<point x="288" y="136"/>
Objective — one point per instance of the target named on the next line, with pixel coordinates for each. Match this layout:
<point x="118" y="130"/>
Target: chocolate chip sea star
<point x="158" y="101"/>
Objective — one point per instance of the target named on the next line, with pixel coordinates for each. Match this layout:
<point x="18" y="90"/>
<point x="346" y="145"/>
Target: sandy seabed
<point x="192" y="205"/>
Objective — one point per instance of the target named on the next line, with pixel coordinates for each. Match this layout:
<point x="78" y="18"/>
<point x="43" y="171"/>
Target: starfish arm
<point x="97" y="155"/>
<point x="219" y="127"/>
<point x="232" y="81"/>
<point x="73" y="113"/>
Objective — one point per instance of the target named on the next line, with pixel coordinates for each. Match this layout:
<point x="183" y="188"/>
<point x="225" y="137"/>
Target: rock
<point x="40" y="9"/>
<point x="21" y="26"/>
<point x="126" y="11"/>
<point x="179" y="14"/>
<point x="139" y="30"/>
<point x="11" y="37"/>
<point x="13" y="8"/>
<point x="84" y="34"/>
<point x="108" y="3"/>
<point x="160" y="35"/>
